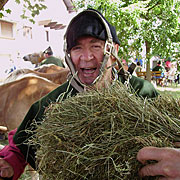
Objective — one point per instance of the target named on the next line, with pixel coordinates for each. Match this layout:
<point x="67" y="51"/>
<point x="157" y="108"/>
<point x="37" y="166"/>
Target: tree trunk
<point x="148" y="73"/>
<point x="2" y="3"/>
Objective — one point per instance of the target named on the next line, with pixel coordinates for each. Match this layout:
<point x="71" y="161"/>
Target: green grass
<point x="175" y="94"/>
<point x="174" y="91"/>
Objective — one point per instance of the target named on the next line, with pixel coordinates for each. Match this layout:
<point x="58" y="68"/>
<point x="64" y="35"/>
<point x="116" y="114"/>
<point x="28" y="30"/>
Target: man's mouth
<point x="88" y="71"/>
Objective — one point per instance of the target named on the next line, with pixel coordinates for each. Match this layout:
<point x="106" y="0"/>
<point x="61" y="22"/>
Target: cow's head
<point x="34" y="58"/>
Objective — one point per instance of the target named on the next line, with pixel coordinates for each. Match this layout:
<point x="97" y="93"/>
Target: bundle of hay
<point x="96" y="135"/>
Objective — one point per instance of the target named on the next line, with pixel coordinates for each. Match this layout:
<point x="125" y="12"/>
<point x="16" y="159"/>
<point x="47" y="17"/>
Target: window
<point x="6" y="29"/>
<point x="27" y="32"/>
<point x="47" y="36"/>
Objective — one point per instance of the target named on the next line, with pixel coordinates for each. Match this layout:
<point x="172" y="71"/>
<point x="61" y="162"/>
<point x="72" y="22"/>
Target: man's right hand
<point x="6" y="169"/>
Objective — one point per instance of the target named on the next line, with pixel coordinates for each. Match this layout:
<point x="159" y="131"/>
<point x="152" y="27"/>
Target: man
<point x="158" y="67"/>
<point x="50" y="59"/>
<point x="91" y="46"/>
<point x="138" y="67"/>
<point x="159" y="77"/>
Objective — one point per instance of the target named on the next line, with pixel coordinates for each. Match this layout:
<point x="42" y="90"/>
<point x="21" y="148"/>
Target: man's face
<point x="87" y="57"/>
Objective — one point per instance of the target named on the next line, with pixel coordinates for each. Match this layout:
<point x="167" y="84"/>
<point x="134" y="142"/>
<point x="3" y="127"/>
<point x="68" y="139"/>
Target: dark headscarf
<point x="88" y="23"/>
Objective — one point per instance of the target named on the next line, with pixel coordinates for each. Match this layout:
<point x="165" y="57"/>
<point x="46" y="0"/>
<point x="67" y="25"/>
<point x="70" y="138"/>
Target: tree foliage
<point x="151" y="23"/>
<point x="2" y="3"/>
<point x="32" y="8"/>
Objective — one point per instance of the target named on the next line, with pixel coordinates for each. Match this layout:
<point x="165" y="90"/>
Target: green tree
<point x="154" y="24"/>
<point x="2" y="3"/>
<point x="34" y="7"/>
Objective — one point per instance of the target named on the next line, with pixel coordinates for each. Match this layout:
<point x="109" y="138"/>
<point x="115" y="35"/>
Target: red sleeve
<point x="13" y="156"/>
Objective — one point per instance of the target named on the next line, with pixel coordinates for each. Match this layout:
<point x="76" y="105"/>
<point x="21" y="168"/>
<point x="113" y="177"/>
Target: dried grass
<point x="96" y="135"/>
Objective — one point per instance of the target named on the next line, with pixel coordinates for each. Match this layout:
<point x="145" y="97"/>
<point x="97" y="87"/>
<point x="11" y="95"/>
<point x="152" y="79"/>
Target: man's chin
<point x="87" y="82"/>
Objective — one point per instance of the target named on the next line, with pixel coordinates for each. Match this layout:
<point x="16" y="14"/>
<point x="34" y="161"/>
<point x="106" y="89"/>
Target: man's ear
<point x="113" y="59"/>
<point x="116" y="46"/>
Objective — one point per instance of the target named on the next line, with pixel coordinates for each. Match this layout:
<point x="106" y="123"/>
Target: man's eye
<point x="76" y="48"/>
<point x="97" y="46"/>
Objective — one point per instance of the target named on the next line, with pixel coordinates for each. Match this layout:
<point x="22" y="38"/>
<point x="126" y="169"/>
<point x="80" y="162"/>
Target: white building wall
<point x="12" y="50"/>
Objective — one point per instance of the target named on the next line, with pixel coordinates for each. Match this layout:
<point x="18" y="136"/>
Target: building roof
<point x="69" y="5"/>
<point x="55" y="25"/>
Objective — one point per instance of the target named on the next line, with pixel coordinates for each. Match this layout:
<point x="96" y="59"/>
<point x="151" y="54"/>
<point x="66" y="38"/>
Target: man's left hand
<point x="167" y="166"/>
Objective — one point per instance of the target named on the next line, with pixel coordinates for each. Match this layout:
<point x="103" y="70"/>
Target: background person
<point x="91" y="67"/>
<point x="159" y="79"/>
<point x="50" y="59"/>
<point x="138" y="67"/>
<point x="158" y="67"/>
<point x="172" y="73"/>
<point x="168" y="64"/>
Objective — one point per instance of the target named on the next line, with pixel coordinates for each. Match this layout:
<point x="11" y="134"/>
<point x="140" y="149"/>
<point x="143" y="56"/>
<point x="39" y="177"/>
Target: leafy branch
<point x="31" y="7"/>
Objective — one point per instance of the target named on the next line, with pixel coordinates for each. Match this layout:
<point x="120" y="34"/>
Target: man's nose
<point x="86" y="55"/>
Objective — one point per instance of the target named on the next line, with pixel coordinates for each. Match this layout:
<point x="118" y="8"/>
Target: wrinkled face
<point x="87" y="57"/>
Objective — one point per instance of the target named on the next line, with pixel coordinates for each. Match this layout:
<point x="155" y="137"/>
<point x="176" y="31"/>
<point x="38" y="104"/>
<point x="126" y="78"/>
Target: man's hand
<point x="6" y="169"/>
<point x="167" y="166"/>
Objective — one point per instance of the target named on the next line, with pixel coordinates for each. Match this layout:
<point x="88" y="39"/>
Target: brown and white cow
<point x="35" y="58"/>
<point x="48" y="68"/>
<point x="58" y="76"/>
<point x="25" y="87"/>
<point x="18" y="96"/>
<point x="22" y="88"/>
